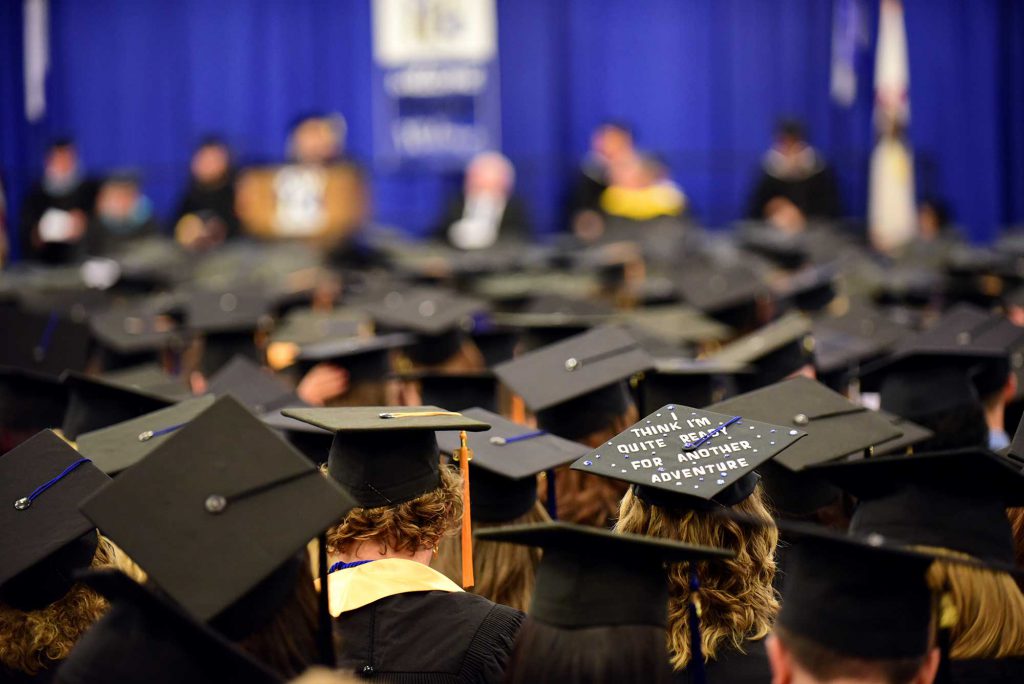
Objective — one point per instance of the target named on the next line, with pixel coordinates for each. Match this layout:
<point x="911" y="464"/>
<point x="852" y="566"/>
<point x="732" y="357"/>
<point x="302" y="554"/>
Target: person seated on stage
<point x="317" y="140"/>
<point x="206" y="213"/>
<point x="641" y="190"/>
<point x="123" y="214"/>
<point x="56" y="211"/>
<point x="486" y="212"/>
<point x="611" y="145"/>
<point x="395" y="616"/>
<point x="795" y="185"/>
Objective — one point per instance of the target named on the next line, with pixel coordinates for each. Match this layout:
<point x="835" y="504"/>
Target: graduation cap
<point x="312" y="441"/>
<point x="686" y="381"/>
<point x="385" y="455"/>
<point x="777" y="350"/>
<point x="785" y="250"/>
<point x="30" y="401"/>
<point x="728" y="292"/>
<point x="834" y="427"/>
<point x="117" y="447"/>
<point x="506" y="460"/>
<point x="574" y="385"/>
<point x="551" y="318"/>
<point x="439" y="318"/>
<point x="188" y="512"/>
<point x="838" y="354"/>
<point x="952" y="500"/>
<point x="913" y="434"/>
<point x="96" y="402"/>
<point x="146" y="637"/>
<point x="43" y="535"/>
<point x="365" y="358"/>
<point x="257" y="388"/>
<point x="47" y="344"/>
<point x="152" y="378"/>
<point x="308" y="326"/>
<point x="228" y="320"/>
<point x="691" y="458"/>
<point x="130" y="336"/>
<point x="590" y="577"/>
<point x="678" y="324"/>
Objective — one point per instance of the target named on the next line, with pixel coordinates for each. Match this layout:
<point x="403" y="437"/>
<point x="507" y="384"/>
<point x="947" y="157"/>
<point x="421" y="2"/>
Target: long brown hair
<point x="504" y="573"/>
<point x="737" y="600"/>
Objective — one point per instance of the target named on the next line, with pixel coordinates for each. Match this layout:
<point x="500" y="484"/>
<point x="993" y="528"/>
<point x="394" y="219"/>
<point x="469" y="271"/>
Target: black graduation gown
<point x="515" y="224"/>
<point x="816" y="195"/>
<point x="44" y="676"/>
<point x="428" y="637"/>
<point x="101" y="241"/>
<point x="1001" y="671"/>
<point x="218" y="201"/>
<point x="733" y="667"/>
<point x="37" y="201"/>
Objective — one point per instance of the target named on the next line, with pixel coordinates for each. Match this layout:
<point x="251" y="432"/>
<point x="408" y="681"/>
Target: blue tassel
<point x="552" y="498"/>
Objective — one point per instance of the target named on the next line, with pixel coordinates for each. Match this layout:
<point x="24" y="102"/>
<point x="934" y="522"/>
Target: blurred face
<point x="61" y="162"/>
<point x="117" y="199"/>
<point x="788" y="144"/>
<point x="612" y="143"/>
<point x="210" y="164"/>
<point x="488" y="175"/>
<point x="315" y="142"/>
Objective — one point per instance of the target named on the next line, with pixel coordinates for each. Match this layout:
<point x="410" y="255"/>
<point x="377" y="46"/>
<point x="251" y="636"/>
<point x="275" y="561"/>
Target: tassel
<point x="517" y="410"/>
<point x="464" y="455"/>
<point x="948" y="616"/>
<point x="551" y="501"/>
<point x="696" y="667"/>
<point x="325" y="626"/>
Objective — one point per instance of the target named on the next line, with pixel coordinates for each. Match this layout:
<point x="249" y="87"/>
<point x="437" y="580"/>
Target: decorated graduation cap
<point x="834" y="425"/>
<point x="96" y="402"/>
<point x="683" y="457"/>
<point x="189" y="512"/>
<point x="256" y="387"/>
<point x="953" y="500"/>
<point x="590" y="577"/>
<point x="438" y="317"/>
<point x="155" y="641"/>
<point x="385" y="455"/>
<point x="506" y="460"/>
<point x="45" y="343"/>
<point x="117" y="447"/>
<point x="776" y="351"/>
<point x="574" y="386"/>
<point x="44" y="537"/>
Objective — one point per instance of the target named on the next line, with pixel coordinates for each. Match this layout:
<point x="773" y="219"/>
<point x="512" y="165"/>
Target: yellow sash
<point x="360" y="586"/>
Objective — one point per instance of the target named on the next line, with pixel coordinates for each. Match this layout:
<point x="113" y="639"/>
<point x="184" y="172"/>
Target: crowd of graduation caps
<point x="189" y="452"/>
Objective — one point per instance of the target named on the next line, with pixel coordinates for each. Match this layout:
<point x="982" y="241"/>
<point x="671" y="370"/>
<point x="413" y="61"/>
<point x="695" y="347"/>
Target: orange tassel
<point x="517" y="409"/>
<point x="464" y="457"/>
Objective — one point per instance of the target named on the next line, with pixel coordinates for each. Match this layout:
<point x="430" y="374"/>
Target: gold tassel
<point x="464" y="456"/>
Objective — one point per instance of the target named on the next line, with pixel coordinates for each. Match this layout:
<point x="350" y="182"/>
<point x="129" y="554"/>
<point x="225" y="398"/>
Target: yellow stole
<point x="360" y="586"/>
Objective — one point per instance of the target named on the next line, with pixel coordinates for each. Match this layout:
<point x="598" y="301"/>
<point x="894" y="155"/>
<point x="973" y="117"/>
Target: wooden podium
<point x="316" y="203"/>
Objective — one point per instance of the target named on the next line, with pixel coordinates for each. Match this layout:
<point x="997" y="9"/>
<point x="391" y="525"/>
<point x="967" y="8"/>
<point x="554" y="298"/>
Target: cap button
<point x="963" y="338"/>
<point x="571" y="364"/>
<point x="22" y="503"/>
<point x="875" y="539"/>
<point x="497" y="441"/>
<point x="146" y="436"/>
<point x="228" y="302"/>
<point x="801" y="419"/>
<point x="215" y="503"/>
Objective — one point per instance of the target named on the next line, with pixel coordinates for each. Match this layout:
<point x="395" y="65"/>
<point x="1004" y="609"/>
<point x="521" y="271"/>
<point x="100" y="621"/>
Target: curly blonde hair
<point x="504" y="573"/>
<point x="737" y="600"/>
<point x="406" y="527"/>
<point x="31" y="640"/>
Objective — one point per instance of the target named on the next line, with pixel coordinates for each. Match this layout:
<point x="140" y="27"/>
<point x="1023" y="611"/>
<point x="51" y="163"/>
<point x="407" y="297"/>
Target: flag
<point x="892" y="213"/>
<point x="849" y="36"/>
<point x="37" y="56"/>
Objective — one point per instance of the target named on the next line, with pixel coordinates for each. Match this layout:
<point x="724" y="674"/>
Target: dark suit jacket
<point x="515" y="224"/>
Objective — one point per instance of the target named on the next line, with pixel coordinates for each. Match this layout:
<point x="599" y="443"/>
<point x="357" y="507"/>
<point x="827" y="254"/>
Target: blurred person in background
<point x="56" y="211"/>
<point x="795" y="185"/>
<point x="123" y="214"/>
<point x="206" y="213"/>
<point x="611" y="146"/>
<point x="487" y="211"/>
<point x="641" y="190"/>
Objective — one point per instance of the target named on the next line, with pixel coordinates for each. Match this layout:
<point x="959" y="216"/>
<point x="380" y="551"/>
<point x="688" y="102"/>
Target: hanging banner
<point x="436" y="98"/>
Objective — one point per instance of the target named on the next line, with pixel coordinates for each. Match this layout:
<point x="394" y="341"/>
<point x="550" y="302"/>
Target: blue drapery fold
<point x="140" y="82"/>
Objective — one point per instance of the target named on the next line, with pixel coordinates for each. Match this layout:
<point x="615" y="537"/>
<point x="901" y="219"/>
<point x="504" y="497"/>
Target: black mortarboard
<point x="43" y="535"/>
<point x="912" y="434"/>
<point x="439" y="318"/>
<point x="515" y="289"/>
<point x="811" y="288"/>
<point x="457" y="390"/>
<point x="385" y="455"/>
<point x="152" y="378"/>
<point x="685" y="457"/>
<point x="96" y="402"/>
<point x="29" y="401"/>
<point x="154" y="641"/>
<point x="506" y="461"/>
<point x="590" y="577"/>
<point x="953" y="500"/>
<point x="257" y="388"/>
<point x="856" y="598"/>
<point x="783" y="249"/>
<point x="550" y="318"/>
<point x="728" y="292"/>
<point x="777" y="350"/>
<point x="685" y="381"/>
<point x="43" y="343"/>
<point x="677" y="324"/>
<point x="229" y="321"/>
<point x="307" y="326"/>
<point x="838" y="354"/>
<point x="218" y="508"/>
<point x="835" y="427"/>
<point x="132" y="335"/>
<point x="120" y="446"/>
<point x="365" y="358"/>
<point x="312" y="441"/>
<point x="574" y="386"/>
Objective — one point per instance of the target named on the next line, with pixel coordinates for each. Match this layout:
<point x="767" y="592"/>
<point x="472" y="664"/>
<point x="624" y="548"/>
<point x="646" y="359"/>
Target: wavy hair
<point x="406" y="527"/>
<point x="31" y="640"/>
<point x="504" y="573"/>
<point x="737" y="600"/>
<point x="989" y="610"/>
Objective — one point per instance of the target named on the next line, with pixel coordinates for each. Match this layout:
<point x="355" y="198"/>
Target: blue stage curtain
<point x="702" y="80"/>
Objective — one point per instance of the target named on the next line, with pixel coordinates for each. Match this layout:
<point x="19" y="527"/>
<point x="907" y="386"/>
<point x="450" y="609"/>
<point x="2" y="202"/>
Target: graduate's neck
<point x="374" y="551"/>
